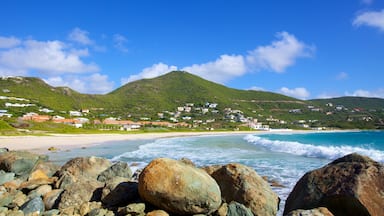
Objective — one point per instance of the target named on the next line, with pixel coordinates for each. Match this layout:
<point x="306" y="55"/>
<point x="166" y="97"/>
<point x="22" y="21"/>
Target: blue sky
<point x="302" y="48"/>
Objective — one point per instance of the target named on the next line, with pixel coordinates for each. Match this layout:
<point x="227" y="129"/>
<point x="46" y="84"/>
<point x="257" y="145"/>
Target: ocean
<point x="282" y="157"/>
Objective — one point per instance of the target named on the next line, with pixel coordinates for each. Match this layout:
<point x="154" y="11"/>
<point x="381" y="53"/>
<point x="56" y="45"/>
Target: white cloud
<point x="9" y="42"/>
<point x="49" y="57"/>
<point x="300" y="92"/>
<point x="150" y="72"/>
<point x="342" y="76"/>
<point x="80" y="36"/>
<point x="379" y="93"/>
<point x="223" y="69"/>
<point x="119" y="42"/>
<point x="257" y="88"/>
<point x="280" y="54"/>
<point x="95" y="83"/>
<point x="370" y="18"/>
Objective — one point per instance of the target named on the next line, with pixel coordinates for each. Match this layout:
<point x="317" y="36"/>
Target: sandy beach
<point x="40" y="144"/>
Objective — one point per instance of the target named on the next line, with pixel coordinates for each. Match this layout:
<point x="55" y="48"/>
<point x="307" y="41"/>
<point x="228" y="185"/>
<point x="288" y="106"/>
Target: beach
<point x="41" y="144"/>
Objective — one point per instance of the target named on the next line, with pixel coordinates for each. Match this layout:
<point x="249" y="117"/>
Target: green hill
<point x="149" y="96"/>
<point x="164" y="94"/>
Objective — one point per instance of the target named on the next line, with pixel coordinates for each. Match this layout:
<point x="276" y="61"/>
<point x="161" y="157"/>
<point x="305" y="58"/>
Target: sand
<point x="41" y="144"/>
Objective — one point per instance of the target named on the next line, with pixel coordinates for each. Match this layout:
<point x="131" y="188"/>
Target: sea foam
<point x="311" y="150"/>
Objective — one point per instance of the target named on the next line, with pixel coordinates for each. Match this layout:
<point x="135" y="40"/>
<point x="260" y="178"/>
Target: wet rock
<point x="351" y="185"/>
<point x="33" y="206"/>
<point x="242" y="184"/>
<point x="119" y="169"/>
<point x="179" y="188"/>
<point x="311" y="212"/>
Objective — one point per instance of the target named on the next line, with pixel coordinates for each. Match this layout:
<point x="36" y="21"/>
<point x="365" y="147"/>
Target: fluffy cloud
<point x="223" y="69"/>
<point x="9" y="42"/>
<point x="95" y="83"/>
<point x="280" y="54"/>
<point x="49" y="57"/>
<point x="370" y="18"/>
<point x="80" y="36"/>
<point x="150" y="72"/>
<point x="301" y="93"/>
<point x="379" y="93"/>
<point x="119" y="42"/>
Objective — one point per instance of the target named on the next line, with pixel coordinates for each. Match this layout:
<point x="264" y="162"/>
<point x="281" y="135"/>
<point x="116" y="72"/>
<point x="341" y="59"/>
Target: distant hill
<point x="354" y="102"/>
<point x="148" y="97"/>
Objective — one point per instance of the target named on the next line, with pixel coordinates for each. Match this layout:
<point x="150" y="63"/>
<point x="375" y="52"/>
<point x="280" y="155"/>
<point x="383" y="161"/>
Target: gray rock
<point x="33" y="206"/>
<point x="81" y="168"/>
<point x="6" y="176"/>
<point x="19" y="162"/>
<point x="133" y="209"/>
<point x="77" y="193"/>
<point x="238" y="209"/>
<point x="119" y="169"/>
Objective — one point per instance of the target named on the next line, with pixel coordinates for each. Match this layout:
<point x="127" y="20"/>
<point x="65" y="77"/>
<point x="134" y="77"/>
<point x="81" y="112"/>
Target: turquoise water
<point x="281" y="157"/>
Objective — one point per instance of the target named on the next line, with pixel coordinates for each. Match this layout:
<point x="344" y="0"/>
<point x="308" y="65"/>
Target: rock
<point x="100" y="212"/>
<point x="235" y="209"/>
<point x="77" y="193"/>
<point x="157" y="213"/>
<point x="222" y="211"/>
<point x="81" y="168"/>
<point x="20" y="162"/>
<point x="242" y="184"/>
<point x="311" y="212"/>
<point x="33" y="184"/>
<point x="179" y="188"/>
<point x="51" y="199"/>
<point x="52" y="212"/>
<point x="351" y="185"/>
<point x="48" y="168"/>
<point x="33" y="206"/>
<point x="40" y="191"/>
<point x="119" y="169"/>
<point x="137" y="209"/>
<point x="118" y="192"/>
<point x="37" y="174"/>
<point x="6" y="177"/>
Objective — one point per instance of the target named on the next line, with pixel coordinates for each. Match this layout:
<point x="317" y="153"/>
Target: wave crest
<point x="314" y="151"/>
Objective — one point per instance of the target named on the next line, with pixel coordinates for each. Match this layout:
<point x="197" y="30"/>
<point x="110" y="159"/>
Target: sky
<point x="306" y="49"/>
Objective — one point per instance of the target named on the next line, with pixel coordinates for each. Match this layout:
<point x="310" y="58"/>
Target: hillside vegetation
<point x="147" y="98"/>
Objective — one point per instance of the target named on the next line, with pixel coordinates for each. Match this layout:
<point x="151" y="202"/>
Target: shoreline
<point x="41" y="144"/>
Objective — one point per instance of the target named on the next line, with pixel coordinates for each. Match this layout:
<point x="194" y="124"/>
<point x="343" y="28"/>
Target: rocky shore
<point x="31" y="185"/>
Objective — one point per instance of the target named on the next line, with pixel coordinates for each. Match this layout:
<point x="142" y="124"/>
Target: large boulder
<point x="351" y="185"/>
<point x="20" y="162"/>
<point x="178" y="187"/>
<point x="242" y="184"/>
<point x="118" y="192"/>
<point x="81" y="168"/>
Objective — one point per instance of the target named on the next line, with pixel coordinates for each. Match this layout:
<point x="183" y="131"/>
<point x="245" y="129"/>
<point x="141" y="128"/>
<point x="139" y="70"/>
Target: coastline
<point x="41" y="144"/>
